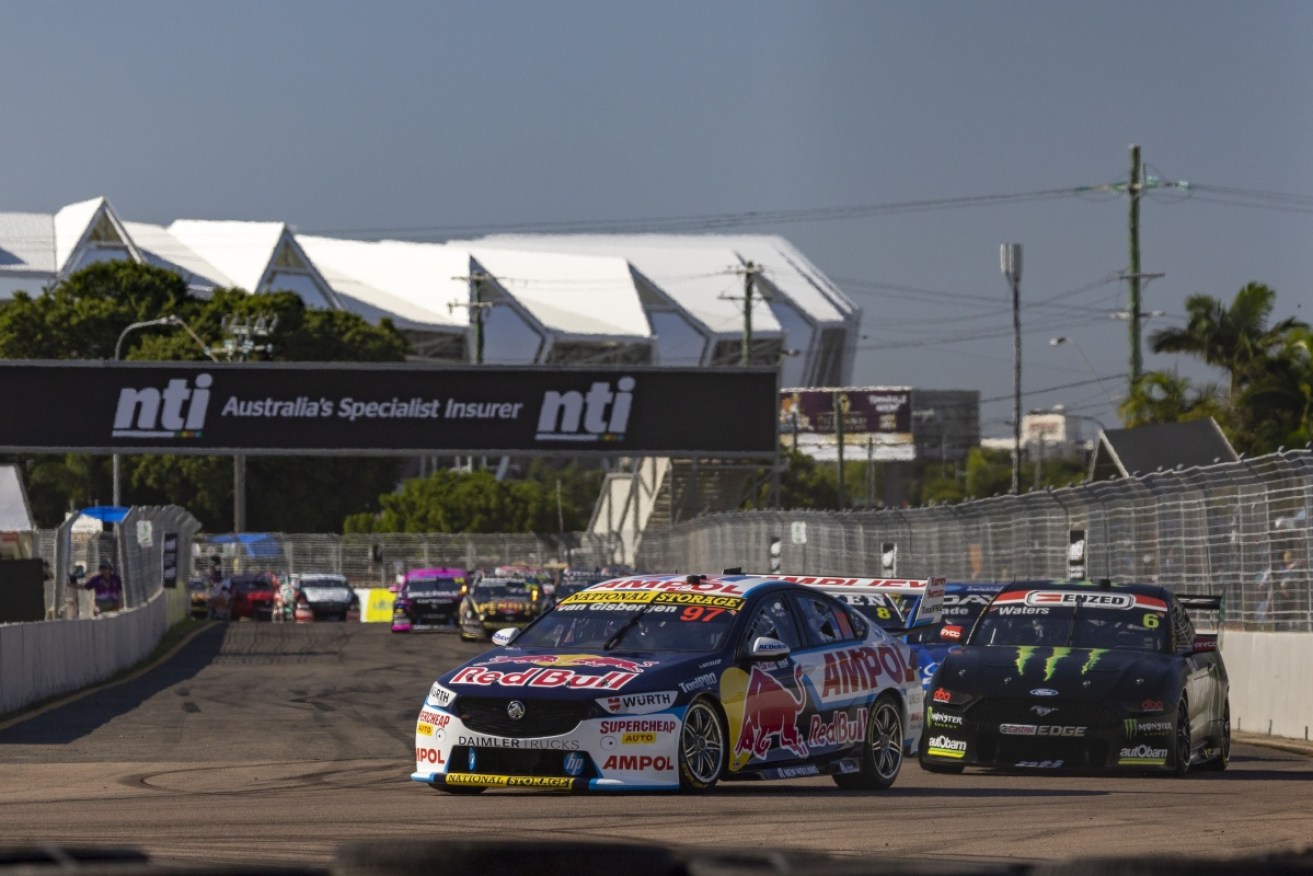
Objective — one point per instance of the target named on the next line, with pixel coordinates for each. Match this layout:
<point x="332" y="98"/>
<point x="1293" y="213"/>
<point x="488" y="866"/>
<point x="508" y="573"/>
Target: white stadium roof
<point x="663" y="299"/>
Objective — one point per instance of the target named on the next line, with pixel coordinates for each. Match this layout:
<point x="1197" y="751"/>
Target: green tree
<point x="1164" y="397"/>
<point x="454" y="501"/>
<point x="83" y="318"/>
<point x="1265" y="402"/>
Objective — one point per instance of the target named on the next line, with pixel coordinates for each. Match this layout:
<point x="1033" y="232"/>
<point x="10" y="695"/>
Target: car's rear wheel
<point x="1223" y="744"/>
<point x="882" y="749"/>
<point x="702" y="746"/>
<point x="1181" y="754"/>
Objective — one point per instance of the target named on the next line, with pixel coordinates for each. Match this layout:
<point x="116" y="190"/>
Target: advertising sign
<point x="336" y="409"/>
<point x="873" y="420"/>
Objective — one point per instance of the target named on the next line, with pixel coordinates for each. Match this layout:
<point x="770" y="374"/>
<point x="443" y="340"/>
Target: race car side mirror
<point x="951" y="633"/>
<point x="505" y="637"/>
<point x="766" y="648"/>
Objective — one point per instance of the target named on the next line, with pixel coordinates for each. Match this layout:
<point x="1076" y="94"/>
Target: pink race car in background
<point x="428" y="599"/>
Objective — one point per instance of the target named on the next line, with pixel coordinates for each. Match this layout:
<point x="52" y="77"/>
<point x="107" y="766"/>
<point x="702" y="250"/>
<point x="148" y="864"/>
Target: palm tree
<point x="1235" y="338"/>
<point x="1165" y="397"/>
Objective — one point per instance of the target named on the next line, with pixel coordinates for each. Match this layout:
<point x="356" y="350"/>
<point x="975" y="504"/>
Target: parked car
<point x="1081" y="676"/>
<point x="494" y="603"/>
<point x="251" y="596"/>
<point x="674" y="682"/>
<point x="429" y="598"/>
<point x="328" y="595"/>
<point x="198" y="589"/>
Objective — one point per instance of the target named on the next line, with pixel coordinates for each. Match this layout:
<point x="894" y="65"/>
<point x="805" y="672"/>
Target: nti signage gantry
<point x="331" y="409"/>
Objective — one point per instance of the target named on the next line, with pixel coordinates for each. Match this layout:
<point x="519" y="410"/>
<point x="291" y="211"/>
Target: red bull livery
<point x="672" y="682"/>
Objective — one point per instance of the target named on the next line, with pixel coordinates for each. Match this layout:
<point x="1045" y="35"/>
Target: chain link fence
<point x="373" y="560"/>
<point x="1241" y="530"/>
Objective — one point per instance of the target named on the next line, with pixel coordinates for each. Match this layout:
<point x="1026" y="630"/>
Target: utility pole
<point x="238" y="346"/>
<point x="750" y="271"/>
<point x="1010" y="262"/>
<point x="840" y="408"/>
<point x="478" y="309"/>
<point x="1134" y="190"/>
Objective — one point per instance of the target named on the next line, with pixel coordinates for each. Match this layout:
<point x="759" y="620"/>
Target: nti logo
<point x="601" y="415"/>
<point x="177" y="411"/>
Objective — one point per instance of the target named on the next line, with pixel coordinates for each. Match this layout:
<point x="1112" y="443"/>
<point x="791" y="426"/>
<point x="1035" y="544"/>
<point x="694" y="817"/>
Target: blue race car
<point x="902" y="607"/>
<point x="675" y="683"/>
<point x="964" y="601"/>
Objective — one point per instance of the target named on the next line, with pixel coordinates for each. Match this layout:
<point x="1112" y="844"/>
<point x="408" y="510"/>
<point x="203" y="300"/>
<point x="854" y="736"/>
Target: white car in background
<point x="328" y="595"/>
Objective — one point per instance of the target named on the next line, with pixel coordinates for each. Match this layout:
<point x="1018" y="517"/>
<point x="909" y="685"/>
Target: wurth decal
<point x="771" y="714"/>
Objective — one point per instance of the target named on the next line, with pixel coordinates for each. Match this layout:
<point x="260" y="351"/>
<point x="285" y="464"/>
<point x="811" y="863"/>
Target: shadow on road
<point x="85" y="714"/>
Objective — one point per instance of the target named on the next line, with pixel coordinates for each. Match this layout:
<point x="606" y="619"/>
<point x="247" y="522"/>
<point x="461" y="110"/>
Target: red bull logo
<point x="771" y="712"/>
<point x="593" y="661"/>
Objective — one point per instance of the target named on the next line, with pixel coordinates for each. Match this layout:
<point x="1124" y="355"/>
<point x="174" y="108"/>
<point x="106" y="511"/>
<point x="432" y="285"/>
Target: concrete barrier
<point x="1269" y="673"/>
<point x="48" y="658"/>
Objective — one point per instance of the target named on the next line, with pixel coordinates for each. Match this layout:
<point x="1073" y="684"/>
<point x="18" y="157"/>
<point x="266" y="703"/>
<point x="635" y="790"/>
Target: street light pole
<point x="171" y="319"/>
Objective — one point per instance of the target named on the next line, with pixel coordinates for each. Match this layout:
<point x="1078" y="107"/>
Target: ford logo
<point x="515" y="710"/>
<point x="1043" y="692"/>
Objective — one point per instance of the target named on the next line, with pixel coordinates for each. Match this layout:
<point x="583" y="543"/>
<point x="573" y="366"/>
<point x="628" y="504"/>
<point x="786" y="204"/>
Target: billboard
<point x="876" y="421"/>
<point x="333" y="409"/>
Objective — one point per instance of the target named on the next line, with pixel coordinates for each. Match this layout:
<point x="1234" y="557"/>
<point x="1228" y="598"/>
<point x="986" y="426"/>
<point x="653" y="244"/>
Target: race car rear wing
<point x="1196" y="603"/>
<point x="927" y="610"/>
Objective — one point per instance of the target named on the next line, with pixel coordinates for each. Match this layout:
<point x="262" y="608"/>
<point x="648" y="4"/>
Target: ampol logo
<point x="601" y="415"/>
<point x="177" y="411"/>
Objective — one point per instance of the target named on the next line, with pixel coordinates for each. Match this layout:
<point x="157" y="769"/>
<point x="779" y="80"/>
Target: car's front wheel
<point x="882" y="749"/>
<point x="702" y="746"/>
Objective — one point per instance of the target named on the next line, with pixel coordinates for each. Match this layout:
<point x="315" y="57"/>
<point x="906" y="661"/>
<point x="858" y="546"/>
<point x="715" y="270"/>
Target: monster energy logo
<point x="1025" y="652"/>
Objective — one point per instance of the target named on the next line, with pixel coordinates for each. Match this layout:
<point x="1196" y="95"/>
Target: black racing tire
<point x="703" y="746"/>
<point x="1223" y="758"/>
<point x="1183" y="742"/>
<point x="466" y="790"/>
<point x="882" y="749"/>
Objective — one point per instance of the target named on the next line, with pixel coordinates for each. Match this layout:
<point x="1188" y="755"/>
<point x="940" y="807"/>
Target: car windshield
<point x="418" y="586"/>
<point x="252" y="586"/>
<point x="485" y="592"/>
<point x="889" y="611"/>
<point x="324" y="581"/>
<point x="1076" y="620"/>
<point x="694" y="628"/>
<point x="960" y="609"/>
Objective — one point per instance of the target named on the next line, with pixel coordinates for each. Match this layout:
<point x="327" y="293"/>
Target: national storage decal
<point x="386" y="407"/>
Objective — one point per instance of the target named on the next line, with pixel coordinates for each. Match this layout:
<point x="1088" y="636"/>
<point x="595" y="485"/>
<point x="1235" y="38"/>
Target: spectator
<point x="108" y="587"/>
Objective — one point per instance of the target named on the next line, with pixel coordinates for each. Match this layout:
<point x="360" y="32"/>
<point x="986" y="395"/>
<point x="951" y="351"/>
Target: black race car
<point x="1080" y="676"/>
<point x="496" y="603"/>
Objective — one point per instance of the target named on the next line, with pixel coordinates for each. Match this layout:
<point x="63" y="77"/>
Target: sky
<point x="434" y="120"/>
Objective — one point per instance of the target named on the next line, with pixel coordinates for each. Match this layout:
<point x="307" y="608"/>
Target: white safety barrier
<point x="1270" y="693"/>
<point x="44" y="659"/>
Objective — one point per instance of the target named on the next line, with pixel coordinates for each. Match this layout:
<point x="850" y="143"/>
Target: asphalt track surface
<point x="273" y="744"/>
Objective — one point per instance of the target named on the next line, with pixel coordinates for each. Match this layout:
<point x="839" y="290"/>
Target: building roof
<point x="1126" y="452"/>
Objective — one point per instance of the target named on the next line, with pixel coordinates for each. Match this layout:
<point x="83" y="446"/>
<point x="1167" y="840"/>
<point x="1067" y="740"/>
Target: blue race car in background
<point x="906" y="608"/>
<point x="675" y="683"/>
<point x="964" y="601"/>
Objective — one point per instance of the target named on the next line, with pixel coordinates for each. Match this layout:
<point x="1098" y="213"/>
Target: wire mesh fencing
<point x="1239" y="530"/>
<point x="375" y="559"/>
